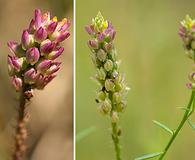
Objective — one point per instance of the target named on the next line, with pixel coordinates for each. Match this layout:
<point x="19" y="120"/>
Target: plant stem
<point x="115" y="138"/>
<point x="21" y="131"/>
<point x="185" y="117"/>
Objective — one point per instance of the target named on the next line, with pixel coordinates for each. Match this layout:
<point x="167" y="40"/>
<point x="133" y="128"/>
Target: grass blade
<point x="85" y="133"/>
<point x="163" y="127"/>
<point x="149" y="156"/>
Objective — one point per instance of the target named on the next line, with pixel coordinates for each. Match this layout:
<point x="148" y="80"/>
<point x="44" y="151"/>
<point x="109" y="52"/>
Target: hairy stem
<point x="21" y="131"/>
<point x="184" y="119"/>
<point x="115" y="138"/>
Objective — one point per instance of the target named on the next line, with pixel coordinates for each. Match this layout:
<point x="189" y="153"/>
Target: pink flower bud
<point x="101" y="37"/>
<point x="89" y="30"/>
<point x="17" y="83"/>
<point x="93" y="44"/>
<point x="32" y="55"/>
<point x="56" y="53"/>
<point x="43" y="81"/>
<point x="40" y="34"/>
<point x="65" y="26"/>
<point x="51" y="28"/>
<point x="46" y="46"/>
<point x="27" y="40"/>
<point x="53" y="68"/>
<point x="44" y="65"/>
<point x="30" y="76"/>
<point x="38" y="18"/>
<point x="14" y="64"/>
<point x="31" y="27"/>
<point x="108" y="47"/>
<point x="62" y="36"/>
<point x="13" y="46"/>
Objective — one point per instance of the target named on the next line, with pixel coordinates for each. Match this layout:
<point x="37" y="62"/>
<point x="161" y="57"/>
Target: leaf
<point x="184" y="108"/>
<point x="191" y="124"/>
<point x="163" y="126"/>
<point x="149" y="156"/>
<point x="83" y="134"/>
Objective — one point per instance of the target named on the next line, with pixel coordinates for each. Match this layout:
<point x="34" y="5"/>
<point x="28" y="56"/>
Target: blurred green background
<point x="51" y="125"/>
<point x="156" y="71"/>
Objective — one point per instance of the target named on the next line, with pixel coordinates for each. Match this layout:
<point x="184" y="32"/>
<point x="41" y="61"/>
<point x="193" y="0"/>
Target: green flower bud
<point x="109" y="85"/>
<point x="118" y="87"/>
<point x="190" y="53"/>
<point x="105" y="107"/>
<point x="101" y="75"/>
<point x="121" y="107"/>
<point x="115" y="117"/>
<point x="108" y="65"/>
<point x="117" y="97"/>
<point x="101" y="96"/>
<point x="101" y="55"/>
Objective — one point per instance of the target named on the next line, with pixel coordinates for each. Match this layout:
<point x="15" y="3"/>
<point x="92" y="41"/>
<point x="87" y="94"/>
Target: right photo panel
<point x="135" y="80"/>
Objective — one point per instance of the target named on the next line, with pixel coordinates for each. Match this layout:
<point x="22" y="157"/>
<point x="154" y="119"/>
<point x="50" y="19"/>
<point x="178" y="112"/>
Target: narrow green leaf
<point x="191" y="124"/>
<point x="184" y="108"/>
<point x="149" y="156"/>
<point x="163" y="126"/>
<point x="83" y="134"/>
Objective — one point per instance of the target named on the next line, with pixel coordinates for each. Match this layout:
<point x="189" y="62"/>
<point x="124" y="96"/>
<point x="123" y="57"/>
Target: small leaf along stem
<point x="21" y="131"/>
<point x="188" y="112"/>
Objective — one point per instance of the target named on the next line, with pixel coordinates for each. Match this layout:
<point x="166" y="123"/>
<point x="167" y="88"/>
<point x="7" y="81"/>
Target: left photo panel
<point x="36" y="90"/>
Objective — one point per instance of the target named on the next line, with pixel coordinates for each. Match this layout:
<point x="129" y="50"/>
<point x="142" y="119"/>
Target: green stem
<point x="185" y="117"/>
<point x="115" y="138"/>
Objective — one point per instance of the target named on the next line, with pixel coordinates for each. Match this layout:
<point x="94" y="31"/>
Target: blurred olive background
<point x="50" y="128"/>
<point x="156" y="70"/>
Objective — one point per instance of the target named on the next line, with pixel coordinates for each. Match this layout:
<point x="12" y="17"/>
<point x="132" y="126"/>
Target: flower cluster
<point x="33" y="62"/>
<point x="187" y="33"/>
<point x="111" y="94"/>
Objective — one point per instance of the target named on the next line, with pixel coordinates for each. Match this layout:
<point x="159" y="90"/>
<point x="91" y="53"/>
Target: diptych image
<point x="107" y="80"/>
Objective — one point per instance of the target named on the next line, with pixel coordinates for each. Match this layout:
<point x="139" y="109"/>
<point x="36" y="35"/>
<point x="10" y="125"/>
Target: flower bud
<point x="111" y="35"/>
<point x="14" y="63"/>
<point x="121" y="107"/>
<point x="93" y="44"/>
<point x="40" y="34"/>
<point x="17" y="83"/>
<point x="105" y="107"/>
<point x="44" y="65"/>
<point x="32" y="55"/>
<point x="101" y="55"/>
<point x="53" y="68"/>
<point x="38" y="18"/>
<point x="191" y="86"/>
<point x="31" y="27"/>
<point x="101" y="37"/>
<point x="117" y="97"/>
<point x="115" y="117"/>
<point x="108" y="65"/>
<point x="15" y="48"/>
<point x="108" y="47"/>
<point x="51" y="28"/>
<point x="30" y="76"/>
<point x="59" y="37"/>
<point x="101" y="75"/>
<point x="89" y="30"/>
<point x="46" y="47"/>
<point x="109" y="85"/>
<point x="27" y="40"/>
<point x="56" y="53"/>
<point x="101" y="96"/>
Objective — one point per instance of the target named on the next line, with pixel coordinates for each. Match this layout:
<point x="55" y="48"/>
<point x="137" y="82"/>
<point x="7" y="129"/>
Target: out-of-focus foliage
<point x="156" y="68"/>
